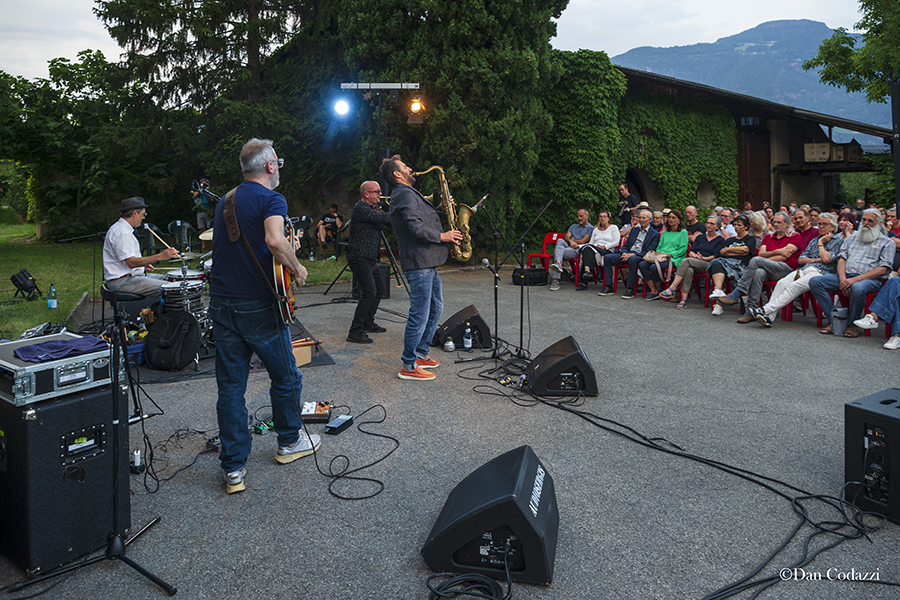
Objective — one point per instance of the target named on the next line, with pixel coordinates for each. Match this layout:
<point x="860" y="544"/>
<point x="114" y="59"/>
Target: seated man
<point x="123" y="265"/>
<point x="885" y="307"/>
<point x="778" y="255"/>
<point x="327" y="228"/>
<point x="567" y="246"/>
<point x="863" y="263"/>
<point x="641" y="240"/>
<point x="819" y="258"/>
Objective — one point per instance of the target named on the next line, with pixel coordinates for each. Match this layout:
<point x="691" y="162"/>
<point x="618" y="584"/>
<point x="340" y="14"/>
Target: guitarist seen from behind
<point x="244" y="309"/>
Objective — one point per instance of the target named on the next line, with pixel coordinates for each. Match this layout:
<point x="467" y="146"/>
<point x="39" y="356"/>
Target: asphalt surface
<point x="636" y="522"/>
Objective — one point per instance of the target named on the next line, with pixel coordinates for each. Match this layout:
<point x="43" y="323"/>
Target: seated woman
<point x="604" y="239"/>
<point x="673" y="243"/>
<point x="846" y="225"/>
<point x="735" y="257"/>
<point x="885" y="307"/>
<point x="819" y="258"/>
<point x="704" y="249"/>
<point x="758" y="226"/>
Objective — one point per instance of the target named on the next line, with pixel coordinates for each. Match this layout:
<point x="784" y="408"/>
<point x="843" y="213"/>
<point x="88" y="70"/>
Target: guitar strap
<point x="229" y="215"/>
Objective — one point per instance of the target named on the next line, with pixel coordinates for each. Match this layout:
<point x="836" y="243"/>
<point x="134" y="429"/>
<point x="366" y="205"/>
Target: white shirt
<point x="120" y="244"/>
<point x="608" y="238"/>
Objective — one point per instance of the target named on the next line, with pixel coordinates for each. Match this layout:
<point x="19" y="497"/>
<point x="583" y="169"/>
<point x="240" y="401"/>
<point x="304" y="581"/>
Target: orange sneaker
<point x="427" y="363"/>
<point x="417" y="374"/>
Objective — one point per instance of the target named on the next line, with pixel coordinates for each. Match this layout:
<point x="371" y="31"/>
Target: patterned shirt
<point x="365" y="229"/>
<point x="832" y="247"/>
<point x="862" y="258"/>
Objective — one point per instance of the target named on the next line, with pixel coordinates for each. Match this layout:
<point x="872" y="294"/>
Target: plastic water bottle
<point x="467" y="338"/>
<point x="51" y="296"/>
<point x="312" y="257"/>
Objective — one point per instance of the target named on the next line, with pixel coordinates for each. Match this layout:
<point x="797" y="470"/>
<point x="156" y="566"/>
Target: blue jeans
<point x="820" y="286"/>
<point x="426" y="302"/>
<point x="243" y="327"/>
<point x="885" y="304"/>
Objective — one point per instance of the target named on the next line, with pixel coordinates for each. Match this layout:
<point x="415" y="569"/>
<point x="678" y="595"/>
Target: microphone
<point x="480" y="202"/>
<point x="487" y="264"/>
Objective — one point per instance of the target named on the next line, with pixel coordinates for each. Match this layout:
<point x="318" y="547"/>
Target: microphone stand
<point x="520" y="244"/>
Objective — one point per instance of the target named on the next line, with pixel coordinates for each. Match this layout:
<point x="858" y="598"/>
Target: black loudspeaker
<point x="56" y="478"/>
<point x="511" y="498"/>
<point x="872" y="453"/>
<point x="561" y="370"/>
<point x="455" y="326"/>
<point x="384" y="270"/>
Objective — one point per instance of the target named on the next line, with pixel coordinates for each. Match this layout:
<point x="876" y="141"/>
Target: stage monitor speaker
<point x="56" y="478"/>
<point x="562" y="370"/>
<point x="872" y="453"/>
<point x="384" y="271"/>
<point x="510" y="498"/>
<point x="455" y="326"/>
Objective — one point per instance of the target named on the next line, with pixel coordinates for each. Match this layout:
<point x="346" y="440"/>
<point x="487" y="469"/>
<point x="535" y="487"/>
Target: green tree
<point x="484" y="67"/>
<point x="575" y="167"/>
<point x="192" y="50"/>
<point x="871" y="67"/>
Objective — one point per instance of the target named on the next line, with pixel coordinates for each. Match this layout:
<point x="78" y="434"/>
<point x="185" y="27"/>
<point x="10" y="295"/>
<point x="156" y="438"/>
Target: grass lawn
<point x="75" y="268"/>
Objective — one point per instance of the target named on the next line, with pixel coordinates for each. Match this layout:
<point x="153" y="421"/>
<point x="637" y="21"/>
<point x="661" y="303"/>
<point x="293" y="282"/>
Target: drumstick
<point x="159" y="238"/>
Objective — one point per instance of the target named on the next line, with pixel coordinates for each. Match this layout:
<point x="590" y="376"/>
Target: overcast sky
<point x="33" y="32"/>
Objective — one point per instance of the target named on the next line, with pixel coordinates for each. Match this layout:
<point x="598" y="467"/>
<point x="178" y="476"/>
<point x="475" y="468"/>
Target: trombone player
<point x="417" y="225"/>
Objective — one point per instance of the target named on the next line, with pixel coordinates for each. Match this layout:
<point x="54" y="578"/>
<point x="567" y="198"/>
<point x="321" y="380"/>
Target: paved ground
<point x="636" y="523"/>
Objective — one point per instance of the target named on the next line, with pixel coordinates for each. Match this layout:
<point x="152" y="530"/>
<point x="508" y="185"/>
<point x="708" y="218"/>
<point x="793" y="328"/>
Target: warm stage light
<point x="341" y="107"/>
<point x="416" y="106"/>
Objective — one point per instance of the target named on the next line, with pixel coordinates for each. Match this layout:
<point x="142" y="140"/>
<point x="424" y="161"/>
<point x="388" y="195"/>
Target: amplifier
<point x="24" y="382"/>
<point x="872" y="453"/>
<point x="56" y="477"/>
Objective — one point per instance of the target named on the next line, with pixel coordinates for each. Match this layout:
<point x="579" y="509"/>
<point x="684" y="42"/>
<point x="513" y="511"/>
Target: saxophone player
<point x="422" y="240"/>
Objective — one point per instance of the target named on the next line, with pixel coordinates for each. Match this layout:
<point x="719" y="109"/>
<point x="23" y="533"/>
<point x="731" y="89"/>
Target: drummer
<point x="124" y="269"/>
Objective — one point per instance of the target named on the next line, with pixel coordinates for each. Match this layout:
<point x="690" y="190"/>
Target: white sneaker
<point x="893" y="343"/>
<point x="867" y="322"/>
<point x="717" y="293"/>
<point x="718" y="310"/>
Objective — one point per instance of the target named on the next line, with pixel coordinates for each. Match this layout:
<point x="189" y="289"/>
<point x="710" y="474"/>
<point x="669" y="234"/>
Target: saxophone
<point x="460" y="221"/>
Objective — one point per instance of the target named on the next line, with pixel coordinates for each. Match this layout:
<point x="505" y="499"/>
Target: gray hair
<point x="758" y="220"/>
<point x="255" y="154"/>
<point x="830" y="217"/>
<point x="718" y="220"/>
<point x="876" y="212"/>
<point x="787" y="219"/>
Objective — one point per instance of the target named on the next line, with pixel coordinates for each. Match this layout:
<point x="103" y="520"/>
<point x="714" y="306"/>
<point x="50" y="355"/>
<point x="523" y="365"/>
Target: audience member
<point x="604" y="239"/>
<point x="863" y="263"/>
<point x="819" y="258"/>
<point x="693" y="226"/>
<point x="704" y="249"/>
<point x="777" y="257"/>
<point x="846" y="224"/>
<point x="641" y="239"/>
<point x="567" y="246"/>
<point x="734" y="258"/>
<point x="670" y="251"/>
<point x="885" y="307"/>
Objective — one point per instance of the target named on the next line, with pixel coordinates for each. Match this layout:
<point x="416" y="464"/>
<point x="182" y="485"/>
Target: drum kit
<point x="185" y="287"/>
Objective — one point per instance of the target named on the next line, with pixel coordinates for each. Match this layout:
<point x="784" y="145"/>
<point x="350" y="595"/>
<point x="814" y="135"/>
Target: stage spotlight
<point x="341" y="107"/>
<point x="416" y="108"/>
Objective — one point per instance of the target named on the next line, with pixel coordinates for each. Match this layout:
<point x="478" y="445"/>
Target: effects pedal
<point x="316" y="412"/>
<point x="339" y="424"/>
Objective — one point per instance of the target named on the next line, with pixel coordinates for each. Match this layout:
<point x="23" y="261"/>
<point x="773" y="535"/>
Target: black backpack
<point x="173" y="341"/>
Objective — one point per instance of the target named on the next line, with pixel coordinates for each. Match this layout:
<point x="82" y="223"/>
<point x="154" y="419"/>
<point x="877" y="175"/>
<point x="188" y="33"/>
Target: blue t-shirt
<point x="234" y="273"/>
<point x="577" y="232"/>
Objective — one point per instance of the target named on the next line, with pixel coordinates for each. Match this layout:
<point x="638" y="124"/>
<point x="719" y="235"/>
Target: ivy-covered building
<point x="781" y="153"/>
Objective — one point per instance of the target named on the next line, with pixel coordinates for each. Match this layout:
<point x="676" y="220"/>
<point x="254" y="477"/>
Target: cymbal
<point x="186" y="256"/>
<point x="207" y="235"/>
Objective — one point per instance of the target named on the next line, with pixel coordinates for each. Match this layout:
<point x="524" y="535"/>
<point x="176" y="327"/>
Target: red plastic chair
<point x="549" y="239"/>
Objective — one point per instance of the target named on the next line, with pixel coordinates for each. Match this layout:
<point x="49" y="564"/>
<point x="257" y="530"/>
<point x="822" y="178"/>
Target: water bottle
<point x="51" y="296"/>
<point x="467" y="338"/>
<point x="312" y="257"/>
<point x="449" y="346"/>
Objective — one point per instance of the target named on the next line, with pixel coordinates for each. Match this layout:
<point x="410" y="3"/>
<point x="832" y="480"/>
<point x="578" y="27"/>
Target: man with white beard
<point x="863" y="263"/>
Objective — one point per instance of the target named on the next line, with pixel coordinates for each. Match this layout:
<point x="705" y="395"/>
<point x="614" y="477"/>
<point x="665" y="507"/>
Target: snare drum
<point x="172" y="296"/>
<point x="191" y="275"/>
